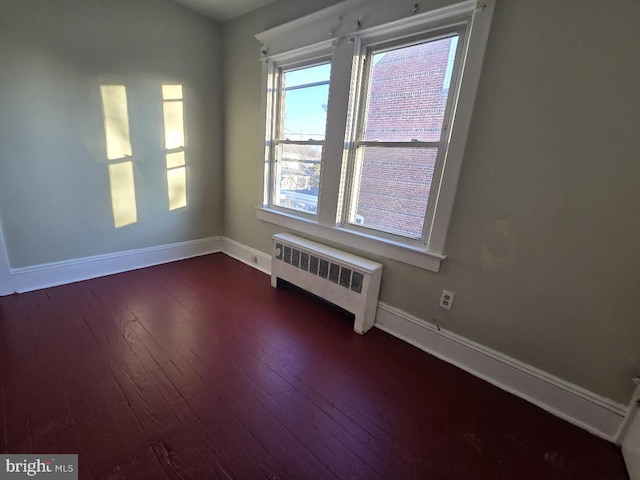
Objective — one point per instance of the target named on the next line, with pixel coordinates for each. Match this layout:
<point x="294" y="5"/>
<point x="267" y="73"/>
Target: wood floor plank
<point x="200" y="370"/>
<point x="251" y="412"/>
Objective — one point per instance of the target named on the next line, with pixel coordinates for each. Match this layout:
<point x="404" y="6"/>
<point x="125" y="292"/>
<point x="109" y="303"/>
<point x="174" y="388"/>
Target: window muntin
<point x="303" y="94"/>
<point x="401" y="136"/>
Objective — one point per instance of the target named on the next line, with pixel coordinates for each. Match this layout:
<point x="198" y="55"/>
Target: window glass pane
<point x="307" y="75"/>
<point x="408" y="92"/>
<point x="391" y="189"/>
<point x="298" y="177"/>
<point x="305" y="96"/>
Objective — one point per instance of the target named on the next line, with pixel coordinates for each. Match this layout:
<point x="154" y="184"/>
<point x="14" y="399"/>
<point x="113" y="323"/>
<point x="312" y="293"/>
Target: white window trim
<point x="337" y="28"/>
<point x="365" y="43"/>
<point x="321" y="54"/>
<point x="419" y="257"/>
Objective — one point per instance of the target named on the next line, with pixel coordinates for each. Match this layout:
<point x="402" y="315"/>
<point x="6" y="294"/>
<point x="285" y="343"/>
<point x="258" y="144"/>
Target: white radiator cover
<point x="346" y="280"/>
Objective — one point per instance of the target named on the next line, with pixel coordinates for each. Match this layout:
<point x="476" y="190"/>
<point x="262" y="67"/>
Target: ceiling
<point x="224" y="10"/>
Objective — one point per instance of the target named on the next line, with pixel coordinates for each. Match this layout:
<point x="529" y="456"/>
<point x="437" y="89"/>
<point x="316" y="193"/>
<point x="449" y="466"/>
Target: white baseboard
<point x="578" y="406"/>
<point x="632" y="411"/>
<point x="250" y="256"/>
<point x="629" y="437"/>
<point x="35" y="277"/>
<point x="585" y="409"/>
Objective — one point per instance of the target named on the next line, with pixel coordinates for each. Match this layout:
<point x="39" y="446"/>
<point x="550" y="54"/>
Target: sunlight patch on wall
<point x="123" y="194"/>
<point x="172" y="92"/>
<point x="175" y="159"/>
<point x="173" y="116"/>
<point x="116" y="128"/>
<point x="116" y="121"/>
<point x="177" y="186"/>
<point x="174" y="143"/>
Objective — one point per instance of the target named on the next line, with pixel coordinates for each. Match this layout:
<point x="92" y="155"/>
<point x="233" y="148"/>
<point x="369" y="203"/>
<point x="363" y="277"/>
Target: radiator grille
<point x="344" y="276"/>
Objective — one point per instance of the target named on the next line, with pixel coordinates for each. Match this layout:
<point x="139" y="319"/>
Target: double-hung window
<point x="366" y="129"/>
<point x="299" y="130"/>
<point x="401" y="139"/>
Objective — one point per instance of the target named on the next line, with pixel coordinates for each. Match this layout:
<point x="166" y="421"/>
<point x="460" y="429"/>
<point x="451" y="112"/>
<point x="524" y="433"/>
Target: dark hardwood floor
<point x="200" y="370"/>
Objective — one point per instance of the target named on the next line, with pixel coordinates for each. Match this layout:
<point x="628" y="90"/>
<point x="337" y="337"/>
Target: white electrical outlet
<point x="446" y="299"/>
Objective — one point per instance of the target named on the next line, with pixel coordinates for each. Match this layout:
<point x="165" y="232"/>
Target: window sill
<point x="416" y="256"/>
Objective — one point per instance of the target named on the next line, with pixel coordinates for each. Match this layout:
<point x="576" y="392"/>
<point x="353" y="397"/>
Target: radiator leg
<point x="357" y="326"/>
<point x="363" y="323"/>
<point x="366" y="317"/>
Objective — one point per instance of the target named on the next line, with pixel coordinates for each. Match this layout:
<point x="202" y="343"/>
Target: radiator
<point x="346" y="280"/>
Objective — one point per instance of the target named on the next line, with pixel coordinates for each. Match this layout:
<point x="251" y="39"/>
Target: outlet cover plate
<point x="446" y="299"/>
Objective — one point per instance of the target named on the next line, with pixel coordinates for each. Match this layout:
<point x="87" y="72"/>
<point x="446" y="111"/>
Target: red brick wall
<point x="406" y="102"/>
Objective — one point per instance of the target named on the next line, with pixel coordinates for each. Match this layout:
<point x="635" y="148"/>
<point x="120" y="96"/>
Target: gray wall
<point x="54" y="185"/>
<point x="543" y="245"/>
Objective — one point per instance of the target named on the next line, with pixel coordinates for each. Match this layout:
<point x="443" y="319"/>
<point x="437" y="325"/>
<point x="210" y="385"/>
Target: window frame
<point x="278" y="69"/>
<point x="272" y="109"/>
<point x="359" y="105"/>
<point x="351" y="25"/>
